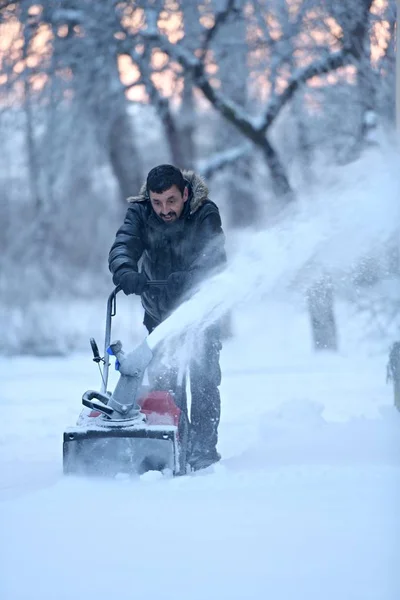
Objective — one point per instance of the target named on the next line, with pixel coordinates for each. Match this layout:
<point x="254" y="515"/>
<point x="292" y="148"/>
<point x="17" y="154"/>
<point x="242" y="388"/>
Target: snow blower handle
<point x="150" y="283"/>
<point x="97" y="401"/>
<point x="111" y="312"/>
<point x="112" y="309"/>
<point x="95" y="349"/>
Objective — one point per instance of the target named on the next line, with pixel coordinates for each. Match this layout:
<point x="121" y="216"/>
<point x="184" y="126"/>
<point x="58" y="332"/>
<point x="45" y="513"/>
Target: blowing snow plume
<point x="329" y="233"/>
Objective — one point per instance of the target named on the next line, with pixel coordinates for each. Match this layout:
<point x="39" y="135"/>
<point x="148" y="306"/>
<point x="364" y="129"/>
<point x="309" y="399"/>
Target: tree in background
<point x="240" y="89"/>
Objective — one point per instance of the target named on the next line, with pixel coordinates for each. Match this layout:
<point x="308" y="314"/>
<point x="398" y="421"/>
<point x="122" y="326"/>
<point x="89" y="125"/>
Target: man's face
<point x="169" y="204"/>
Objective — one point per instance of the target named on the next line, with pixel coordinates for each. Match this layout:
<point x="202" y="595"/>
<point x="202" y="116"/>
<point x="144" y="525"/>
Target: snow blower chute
<point x="133" y="429"/>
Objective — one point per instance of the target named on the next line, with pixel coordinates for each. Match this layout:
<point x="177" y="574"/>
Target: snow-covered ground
<point x="304" y="505"/>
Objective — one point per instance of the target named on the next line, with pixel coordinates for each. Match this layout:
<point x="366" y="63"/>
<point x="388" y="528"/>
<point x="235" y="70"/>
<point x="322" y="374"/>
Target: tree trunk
<point x="305" y="150"/>
<point x="163" y="108"/>
<point x="124" y="157"/>
<point x="32" y="155"/>
<point x="33" y="166"/>
<point x="187" y="113"/>
<point x="354" y="19"/>
<point x="93" y="59"/>
<point x="320" y="305"/>
<point x="243" y="208"/>
<point x="393" y="372"/>
<point x="279" y="179"/>
<point x="174" y="139"/>
<point x="187" y="120"/>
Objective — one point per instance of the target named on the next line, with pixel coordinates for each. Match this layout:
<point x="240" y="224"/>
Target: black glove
<point x="179" y="282"/>
<point x="133" y="283"/>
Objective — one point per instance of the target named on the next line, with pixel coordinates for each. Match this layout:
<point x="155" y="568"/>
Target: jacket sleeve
<point x="128" y="245"/>
<point x="211" y="256"/>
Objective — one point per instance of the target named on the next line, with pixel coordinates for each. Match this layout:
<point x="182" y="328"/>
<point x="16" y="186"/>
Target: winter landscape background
<point x="287" y="107"/>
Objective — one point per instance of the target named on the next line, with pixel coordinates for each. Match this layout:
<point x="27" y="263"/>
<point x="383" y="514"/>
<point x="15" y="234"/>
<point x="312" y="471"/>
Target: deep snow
<point x="303" y="505"/>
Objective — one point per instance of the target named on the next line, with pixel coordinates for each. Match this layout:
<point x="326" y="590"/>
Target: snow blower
<point x="133" y="429"/>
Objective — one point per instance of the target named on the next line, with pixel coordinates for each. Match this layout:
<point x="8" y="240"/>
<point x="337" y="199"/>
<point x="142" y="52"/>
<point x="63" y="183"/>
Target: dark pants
<point x="205" y="378"/>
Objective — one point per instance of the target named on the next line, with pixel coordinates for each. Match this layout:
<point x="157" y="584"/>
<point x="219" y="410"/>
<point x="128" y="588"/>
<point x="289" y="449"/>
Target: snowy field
<point x="304" y="505"/>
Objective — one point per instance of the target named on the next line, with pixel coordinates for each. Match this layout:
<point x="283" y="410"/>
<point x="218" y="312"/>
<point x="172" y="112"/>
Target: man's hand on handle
<point x="133" y="283"/>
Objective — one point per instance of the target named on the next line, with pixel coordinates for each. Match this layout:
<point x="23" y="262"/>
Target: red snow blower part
<point x="133" y="429"/>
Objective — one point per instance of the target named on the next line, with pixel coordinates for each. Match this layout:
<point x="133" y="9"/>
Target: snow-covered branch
<point x="220" y="18"/>
<point x="321" y="67"/>
<point x="222" y="159"/>
<point x="229" y="109"/>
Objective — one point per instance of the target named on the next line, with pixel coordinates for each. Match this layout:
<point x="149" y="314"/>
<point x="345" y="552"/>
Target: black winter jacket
<point x="194" y="243"/>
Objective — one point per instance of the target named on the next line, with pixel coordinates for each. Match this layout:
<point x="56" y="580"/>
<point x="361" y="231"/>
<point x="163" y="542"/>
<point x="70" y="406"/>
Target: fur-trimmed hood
<point x="197" y="187"/>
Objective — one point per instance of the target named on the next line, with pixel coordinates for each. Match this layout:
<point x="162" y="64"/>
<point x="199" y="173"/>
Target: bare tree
<point x="187" y="113"/>
<point x="256" y="66"/>
<point x="354" y="21"/>
<point x="91" y="53"/>
<point x="29" y="27"/>
<point x="257" y="128"/>
<point x="231" y="56"/>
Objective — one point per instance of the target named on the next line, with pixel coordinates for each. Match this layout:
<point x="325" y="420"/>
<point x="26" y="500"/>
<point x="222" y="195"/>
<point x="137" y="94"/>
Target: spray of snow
<point x="326" y="234"/>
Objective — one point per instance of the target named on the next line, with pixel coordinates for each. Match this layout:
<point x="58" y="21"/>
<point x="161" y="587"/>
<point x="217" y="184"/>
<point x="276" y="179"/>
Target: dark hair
<point x="163" y="177"/>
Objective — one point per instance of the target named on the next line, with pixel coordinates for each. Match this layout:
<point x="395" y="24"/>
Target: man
<point x="175" y="232"/>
